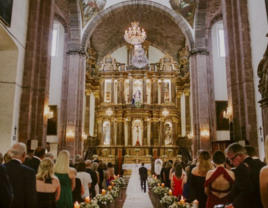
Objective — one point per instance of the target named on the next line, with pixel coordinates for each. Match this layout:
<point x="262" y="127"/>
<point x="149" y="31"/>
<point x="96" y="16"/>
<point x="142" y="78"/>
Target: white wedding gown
<point x="135" y="195"/>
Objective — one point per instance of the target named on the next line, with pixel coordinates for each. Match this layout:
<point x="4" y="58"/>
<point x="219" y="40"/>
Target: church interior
<point x="135" y="80"/>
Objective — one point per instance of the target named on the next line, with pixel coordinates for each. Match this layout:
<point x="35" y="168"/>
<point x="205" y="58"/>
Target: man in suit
<point x="6" y="195"/>
<point x="94" y="178"/>
<point x="77" y="159"/>
<point x="22" y="178"/>
<point x="253" y="154"/>
<point x="246" y="190"/>
<point x="143" y="176"/>
<point x="34" y="163"/>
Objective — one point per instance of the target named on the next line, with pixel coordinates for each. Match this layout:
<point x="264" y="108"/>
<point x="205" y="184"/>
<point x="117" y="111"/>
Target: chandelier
<point x="165" y="112"/>
<point x="109" y="112"/>
<point x="48" y="114"/>
<point x="139" y="59"/>
<point x="134" y="35"/>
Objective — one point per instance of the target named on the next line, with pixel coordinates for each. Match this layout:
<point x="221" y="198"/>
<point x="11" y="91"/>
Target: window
<point x="221" y="45"/>
<point x="54" y="47"/>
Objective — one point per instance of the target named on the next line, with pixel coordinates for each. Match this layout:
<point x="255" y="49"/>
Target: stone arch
<point x="62" y="21"/>
<point x="177" y="18"/>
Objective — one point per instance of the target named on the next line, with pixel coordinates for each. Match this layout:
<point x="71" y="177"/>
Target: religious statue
<point x="158" y="166"/>
<point x="138" y="132"/>
<point x="136" y="100"/>
<point x="168" y="133"/>
<point x="107" y="136"/>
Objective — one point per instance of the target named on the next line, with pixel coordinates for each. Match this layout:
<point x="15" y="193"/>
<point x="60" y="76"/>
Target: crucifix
<point x="260" y="132"/>
<point x="15" y="130"/>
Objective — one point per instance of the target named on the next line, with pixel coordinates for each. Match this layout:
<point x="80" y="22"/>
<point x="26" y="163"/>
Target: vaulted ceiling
<point x="162" y="32"/>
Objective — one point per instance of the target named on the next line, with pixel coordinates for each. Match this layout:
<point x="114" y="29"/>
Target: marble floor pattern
<point x="136" y="198"/>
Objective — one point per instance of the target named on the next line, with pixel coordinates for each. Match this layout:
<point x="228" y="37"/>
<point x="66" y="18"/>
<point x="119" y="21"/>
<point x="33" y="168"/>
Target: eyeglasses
<point x="231" y="159"/>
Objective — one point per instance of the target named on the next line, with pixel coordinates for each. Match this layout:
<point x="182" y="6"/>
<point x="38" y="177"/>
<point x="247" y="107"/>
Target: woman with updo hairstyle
<point x="218" y="182"/>
<point x="198" y="177"/>
<point x="47" y="185"/>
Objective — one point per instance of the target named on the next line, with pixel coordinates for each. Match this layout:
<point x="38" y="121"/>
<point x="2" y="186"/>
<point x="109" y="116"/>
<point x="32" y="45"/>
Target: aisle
<point x="135" y="196"/>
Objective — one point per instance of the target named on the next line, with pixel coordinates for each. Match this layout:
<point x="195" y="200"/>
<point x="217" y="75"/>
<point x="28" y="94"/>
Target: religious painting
<point x="137" y="94"/>
<point x="168" y="133"/>
<point x="52" y="123"/>
<point x="186" y="8"/>
<point x="108" y="90"/>
<point x="90" y="8"/>
<point x="222" y="123"/>
<point x="6" y="11"/>
<point x="137" y="132"/>
<point x="107" y="133"/>
<point x="166" y="92"/>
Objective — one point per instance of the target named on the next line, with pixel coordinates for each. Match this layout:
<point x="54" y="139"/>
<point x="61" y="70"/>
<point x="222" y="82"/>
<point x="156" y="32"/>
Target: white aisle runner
<point x="136" y="198"/>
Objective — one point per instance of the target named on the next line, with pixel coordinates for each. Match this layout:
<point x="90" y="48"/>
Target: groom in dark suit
<point x="143" y="176"/>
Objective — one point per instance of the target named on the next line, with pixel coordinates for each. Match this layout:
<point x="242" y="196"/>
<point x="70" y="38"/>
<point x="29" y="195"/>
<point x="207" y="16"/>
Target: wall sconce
<point x="205" y="134"/>
<point x="190" y="135"/>
<point x="47" y="113"/>
<point x="227" y="113"/>
<point x="165" y="112"/>
<point x="109" y="112"/>
<point x="70" y="136"/>
<point x="84" y="136"/>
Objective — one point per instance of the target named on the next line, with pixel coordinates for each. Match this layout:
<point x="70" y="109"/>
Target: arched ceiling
<point x="162" y="32"/>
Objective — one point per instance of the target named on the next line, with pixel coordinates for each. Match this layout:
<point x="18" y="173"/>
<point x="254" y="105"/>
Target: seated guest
<point x="66" y="176"/>
<point x="47" y="185"/>
<point x="78" y="190"/>
<point x="6" y="195"/>
<point x="22" y="178"/>
<point x="198" y="177"/>
<point x="264" y="179"/>
<point x="246" y="190"/>
<point x="218" y="182"/>
<point x="39" y="154"/>
<point x="84" y="177"/>
<point x="176" y="181"/>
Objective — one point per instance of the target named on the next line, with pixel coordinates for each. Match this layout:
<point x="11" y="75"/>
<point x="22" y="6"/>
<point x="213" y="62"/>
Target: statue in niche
<point x="136" y="100"/>
<point x="138" y="132"/>
<point x="107" y="135"/>
<point x="166" y="92"/>
<point x="168" y="134"/>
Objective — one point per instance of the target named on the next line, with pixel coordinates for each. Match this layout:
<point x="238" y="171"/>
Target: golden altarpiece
<point x="137" y="111"/>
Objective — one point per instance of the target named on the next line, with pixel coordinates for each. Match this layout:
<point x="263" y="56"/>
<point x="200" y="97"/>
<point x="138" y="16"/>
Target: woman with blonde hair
<point x="198" y="177"/>
<point x="47" y="185"/>
<point x="66" y="177"/>
<point x="264" y="178"/>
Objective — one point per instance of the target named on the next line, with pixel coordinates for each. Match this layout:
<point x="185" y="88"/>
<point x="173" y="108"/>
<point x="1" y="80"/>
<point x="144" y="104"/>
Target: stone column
<point x="162" y="90"/>
<point x="179" y="93"/>
<point x="112" y="91"/>
<point x="188" y="111"/>
<point x="129" y="132"/>
<point x="87" y="112"/>
<point x="144" y="89"/>
<point x="145" y="142"/>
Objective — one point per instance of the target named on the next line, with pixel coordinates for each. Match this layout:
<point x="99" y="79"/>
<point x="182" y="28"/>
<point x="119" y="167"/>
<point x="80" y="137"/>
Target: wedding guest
<point x="47" y="185"/>
<point x="78" y="190"/>
<point x="246" y="190"/>
<point x="166" y="175"/>
<point x="264" y="179"/>
<point x="84" y="177"/>
<point x="253" y="154"/>
<point x="22" y="178"/>
<point x="218" y="182"/>
<point x="95" y="169"/>
<point x="33" y="163"/>
<point x="77" y="159"/>
<point x="50" y="155"/>
<point x="101" y="175"/>
<point x="7" y="157"/>
<point x="1" y="158"/>
<point x="66" y="176"/>
<point x="176" y="181"/>
<point x="94" y="178"/>
<point x="186" y="185"/>
<point x="198" y="178"/>
<point x="163" y="169"/>
<point x="6" y="194"/>
<point x="111" y="172"/>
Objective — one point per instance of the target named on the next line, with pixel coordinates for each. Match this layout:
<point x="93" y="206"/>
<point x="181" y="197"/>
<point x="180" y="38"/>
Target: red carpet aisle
<point x="135" y="196"/>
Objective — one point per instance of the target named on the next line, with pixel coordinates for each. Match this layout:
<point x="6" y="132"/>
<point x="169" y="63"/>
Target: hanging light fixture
<point x="139" y="59"/>
<point x="135" y="35"/>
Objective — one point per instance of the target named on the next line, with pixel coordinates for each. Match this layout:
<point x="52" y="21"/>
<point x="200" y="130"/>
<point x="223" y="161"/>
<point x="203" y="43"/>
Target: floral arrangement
<point x="110" y="156"/>
<point x="148" y="156"/>
<point x="170" y="150"/>
<point x="104" y="199"/>
<point x="95" y="156"/>
<point x="137" y="150"/>
<point x="92" y="204"/>
<point x="164" y="156"/>
<point x="160" y="190"/>
<point x="169" y="200"/>
<point x="126" y="156"/>
<point x="118" y="182"/>
<point x="114" y="193"/>
<point x="115" y="188"/>
<point x="153" y="182"/>
<point x="178" y="205"/>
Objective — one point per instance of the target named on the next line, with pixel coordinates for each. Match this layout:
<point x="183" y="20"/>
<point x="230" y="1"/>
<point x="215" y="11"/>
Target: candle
<point x="114" y="177"/>
<point x="112" y="183"/>
<point x="76" y="205"/>
<point x="182" y="201"/>
<point x="163" y="185"/>
<point x="195" y="204"/>
<point x="103" y="192"/>
<point x="170" y="192"/>
<point x="87" y="199"/>
<point x="110" y="188"/>
<point x="158" y="184"/>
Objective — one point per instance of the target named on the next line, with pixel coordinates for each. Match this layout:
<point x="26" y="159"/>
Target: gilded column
<point x="155" y="131"/>
<point x="129" y="132"/>
<point x="120" y="132"/>
<point x="173" y="90"/>
<point x="102" y="88"/>
<point x="100" y="138"/>
<point x="154" y="91"/>
<point x="112" y="131"/>
<point x="119" y="83"/>
<point x="130" y="88"/>
<point x="161" y="132"/>
<point x="174" y="130"/>
<point x="145" y="139"/>
<point x="87" y="113"/>
<point x="162" y="90"/>
<point x="112" y="91"/>
<point x="187" y="111"/>
<point x="179" y="93"/>
<point x="122" y="95"/>
<point x="144" y="89"/>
